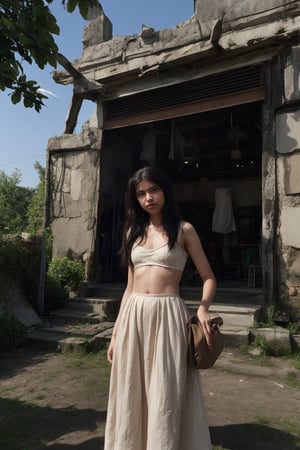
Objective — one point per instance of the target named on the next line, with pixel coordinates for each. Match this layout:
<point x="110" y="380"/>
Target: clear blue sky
<point x="24" y="132"/>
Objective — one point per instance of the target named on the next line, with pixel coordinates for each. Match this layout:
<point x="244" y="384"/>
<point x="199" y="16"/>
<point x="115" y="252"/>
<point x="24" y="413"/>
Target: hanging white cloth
<point x="223" y="219"/>
<point x="148" y="153"/>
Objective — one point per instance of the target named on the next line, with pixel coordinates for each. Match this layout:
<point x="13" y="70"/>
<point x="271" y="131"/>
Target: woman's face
<point x="150" y="197"/>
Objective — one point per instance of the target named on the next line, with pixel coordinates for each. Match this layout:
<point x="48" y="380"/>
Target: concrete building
<point x="215" y="103"/>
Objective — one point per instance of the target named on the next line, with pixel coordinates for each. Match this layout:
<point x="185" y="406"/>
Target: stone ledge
<point x="54" y="341"/>
<point x="275" y="335"/>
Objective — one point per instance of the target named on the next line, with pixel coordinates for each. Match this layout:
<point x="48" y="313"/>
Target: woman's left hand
<point x="110" y="351"/>
<point x="204" y="319"/>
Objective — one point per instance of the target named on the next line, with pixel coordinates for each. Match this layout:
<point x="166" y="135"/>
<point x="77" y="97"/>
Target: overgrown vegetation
<point x="35" y="210"/>
<point x="271" y="348"/>
<point x="55" y="294"/>
<point x="69" y="272"/>
<point x="21" y="208"/>
<point x="19" y="267"/>
<point x="11" y="332"/>
<point x="14" y="203"/>
<point x="19" y="272"/>
<point x="275" y="316"/>
<point x="282" y="313"/>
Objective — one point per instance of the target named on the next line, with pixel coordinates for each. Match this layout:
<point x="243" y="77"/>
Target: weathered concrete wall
<point x="141" y="59"/>
<point x="99" y="28"/>
<point x="288" y="181"/>
<point x="74" y="169"/>
<point x="236" y="9"/>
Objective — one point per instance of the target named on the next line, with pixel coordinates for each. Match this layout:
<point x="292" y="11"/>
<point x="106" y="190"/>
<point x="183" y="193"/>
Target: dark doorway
<point x="201" y="153"/>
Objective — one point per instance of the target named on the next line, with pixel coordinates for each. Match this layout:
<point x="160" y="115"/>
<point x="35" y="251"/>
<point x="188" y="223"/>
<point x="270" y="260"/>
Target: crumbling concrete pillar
<point x="74" y="192"/>
<point x="288" y="179"/>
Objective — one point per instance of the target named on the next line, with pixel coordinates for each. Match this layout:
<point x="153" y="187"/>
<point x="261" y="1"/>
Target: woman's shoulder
<point x="186" y="230"/>
<point x="186" y="226"/>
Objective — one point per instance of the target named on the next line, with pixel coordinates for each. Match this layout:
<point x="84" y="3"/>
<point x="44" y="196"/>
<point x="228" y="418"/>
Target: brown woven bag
<point x="199" y="355"/>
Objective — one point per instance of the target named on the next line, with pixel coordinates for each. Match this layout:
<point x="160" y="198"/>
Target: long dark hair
<point x="137" y="219"/>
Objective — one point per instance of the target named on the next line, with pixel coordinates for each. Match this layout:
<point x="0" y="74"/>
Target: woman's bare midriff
<point x="156" y="280"/>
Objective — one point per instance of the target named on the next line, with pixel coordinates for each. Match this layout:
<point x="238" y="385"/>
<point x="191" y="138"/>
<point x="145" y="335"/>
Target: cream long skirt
<point x="155" y="399"/>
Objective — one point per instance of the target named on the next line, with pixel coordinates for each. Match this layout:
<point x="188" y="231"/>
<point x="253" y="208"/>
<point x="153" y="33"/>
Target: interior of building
<point x="213" y="160"/>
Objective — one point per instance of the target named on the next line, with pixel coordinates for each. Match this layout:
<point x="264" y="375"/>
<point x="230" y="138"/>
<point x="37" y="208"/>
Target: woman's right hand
<point x="110" y="351"/>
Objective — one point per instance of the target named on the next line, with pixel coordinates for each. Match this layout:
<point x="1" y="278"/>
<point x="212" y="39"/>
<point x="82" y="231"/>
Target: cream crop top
<point x="162" y="256"/>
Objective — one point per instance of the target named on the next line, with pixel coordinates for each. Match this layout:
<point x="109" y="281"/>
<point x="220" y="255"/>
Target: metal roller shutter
<point x="217" y="91"/>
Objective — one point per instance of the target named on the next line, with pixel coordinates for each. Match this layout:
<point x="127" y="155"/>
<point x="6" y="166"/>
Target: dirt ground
<point x="57" y="401"/>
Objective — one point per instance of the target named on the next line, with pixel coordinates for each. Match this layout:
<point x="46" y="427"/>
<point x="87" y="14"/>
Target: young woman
<point x="155" y="399"/>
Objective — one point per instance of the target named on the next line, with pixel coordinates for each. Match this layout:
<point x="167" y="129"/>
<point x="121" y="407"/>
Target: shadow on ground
<point x="27" y="426"/>
<point x="90" y="444"/>
<point x="14" y="361"/>
<point x="252" y="437"/>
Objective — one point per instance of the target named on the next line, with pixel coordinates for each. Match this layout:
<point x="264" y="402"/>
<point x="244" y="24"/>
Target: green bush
<point x="70" y="272"/>
<point x="55" y="294"/>
<point x="20" y="265"/>
<point x="12" y="332"/>
<point x="272" y="348"/>
<point x="11" y="253"/>
<point x="6" y="285"/>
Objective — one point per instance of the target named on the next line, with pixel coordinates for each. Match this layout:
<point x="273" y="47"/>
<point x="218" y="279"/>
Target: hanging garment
<point x="148" y="153"/>
<point x="223" y="219"/>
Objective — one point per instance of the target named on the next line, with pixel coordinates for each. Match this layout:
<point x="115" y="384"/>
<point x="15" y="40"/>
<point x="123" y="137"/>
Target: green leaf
<point x="53" y="28"/>
<point x="22" y="79"/>
<point x="83" y="8"/>
<point x="27" y="102"/>
<point x="52" y="60"/>
<point x="71" y="5"/>
<point x="15" y="97"/>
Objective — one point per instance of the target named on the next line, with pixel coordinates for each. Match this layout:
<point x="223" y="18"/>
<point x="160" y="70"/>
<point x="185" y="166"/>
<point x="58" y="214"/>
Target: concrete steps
<point x="67" y="336"/>
<point x="239" y="308"/>
<point x="87" y="320"/>
<point x="237" y="320"/>
<point x="100" y="308"/>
